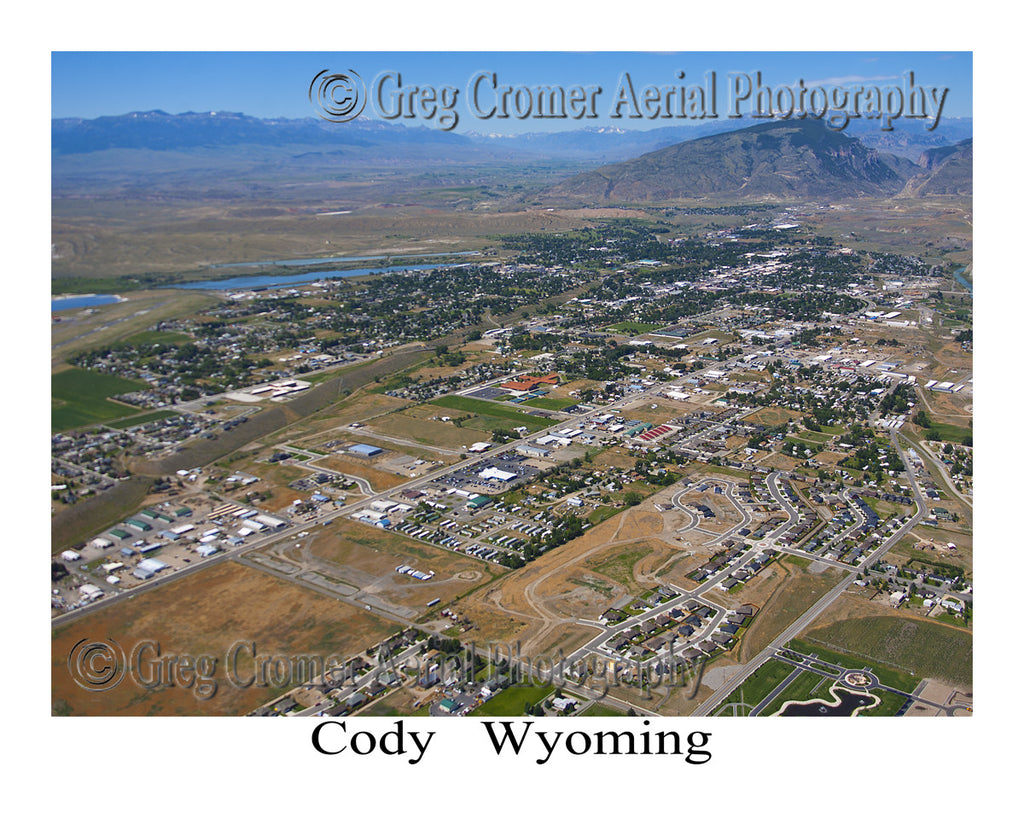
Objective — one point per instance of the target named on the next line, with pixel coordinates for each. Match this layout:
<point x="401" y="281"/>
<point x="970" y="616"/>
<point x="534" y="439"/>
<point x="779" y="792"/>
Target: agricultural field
<point x="81" y="397"/>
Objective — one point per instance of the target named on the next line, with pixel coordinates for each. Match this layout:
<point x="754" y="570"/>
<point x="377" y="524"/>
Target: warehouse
<point x="364" y="450"/>
<point x="496" y="474"/>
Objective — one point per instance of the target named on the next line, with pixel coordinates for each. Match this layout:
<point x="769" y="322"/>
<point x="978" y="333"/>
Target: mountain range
<point x="779" y="159"/>
<point x="783" y="159"/>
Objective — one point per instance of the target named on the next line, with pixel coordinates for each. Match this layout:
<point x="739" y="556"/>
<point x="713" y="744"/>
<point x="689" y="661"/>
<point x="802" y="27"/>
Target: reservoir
<point x="78" y="302"/>
<point x="292" y="279"/>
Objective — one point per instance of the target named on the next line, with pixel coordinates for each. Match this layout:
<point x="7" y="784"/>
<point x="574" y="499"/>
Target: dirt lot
<point x="771" y="416"/>
<point x="367" y="557"/>
<point x="362" y="468"/>
<point x="611" y="562"/>
<point x="206" y="614"/>
<point x="784" y="592"/>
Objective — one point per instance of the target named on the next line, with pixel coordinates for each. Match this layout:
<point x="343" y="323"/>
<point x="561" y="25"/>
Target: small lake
<point x="848" y="703"/>
<point x="78" y="302"/>
<point x="292" y="279"/>
<point x="336" y="259"/>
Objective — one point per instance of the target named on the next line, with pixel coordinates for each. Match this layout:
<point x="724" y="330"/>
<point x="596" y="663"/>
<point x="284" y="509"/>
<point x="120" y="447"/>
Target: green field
<point x="799" y="691"/>
<point x="512" y="701"/>
<point x="887" y="676"/>
<point x="491" y="410"/>
<point x="145" y="418"/>
<point x="157" y="337"/>
<point x="754" y="688"/>
<point x="950" y="432"/>
<point x="79" y="398"/>
<point x="926" y="649"/>
<point x="549" y="403"/>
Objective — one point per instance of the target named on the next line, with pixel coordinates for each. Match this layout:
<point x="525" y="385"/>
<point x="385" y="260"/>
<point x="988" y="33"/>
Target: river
<point x="292" y="279"/>
<point x="967" y="285"/>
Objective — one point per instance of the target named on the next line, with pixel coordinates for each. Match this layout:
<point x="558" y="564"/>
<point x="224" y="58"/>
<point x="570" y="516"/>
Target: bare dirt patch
<point x="205" y="614"/>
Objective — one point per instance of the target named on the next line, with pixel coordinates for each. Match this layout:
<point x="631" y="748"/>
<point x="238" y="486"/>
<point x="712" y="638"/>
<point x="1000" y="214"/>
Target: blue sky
<point x="276" y="84"/>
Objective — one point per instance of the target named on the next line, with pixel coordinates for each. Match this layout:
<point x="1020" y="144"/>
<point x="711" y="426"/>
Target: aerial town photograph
<point x="522" y="387"/>
<point x="683" y="412"/>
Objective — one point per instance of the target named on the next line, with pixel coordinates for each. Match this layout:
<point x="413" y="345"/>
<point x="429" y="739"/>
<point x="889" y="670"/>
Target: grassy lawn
<point x="799" y="690"/>
<point x="602" y="513"/>
<point x="890" y="704"/>
<point x="512" y="701"/>
<point x="491" y="410"/>
<point x="80" y="397"/>
<point x="950" y="432"/>
<point x="755" y="687"/>
<point x="157" y="337"/>
<point x="549" y="403"/>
